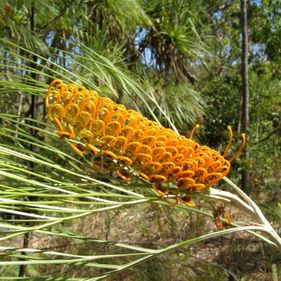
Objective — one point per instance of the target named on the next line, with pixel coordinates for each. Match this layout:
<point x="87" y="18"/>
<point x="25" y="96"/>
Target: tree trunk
<point x="245" y="86"/>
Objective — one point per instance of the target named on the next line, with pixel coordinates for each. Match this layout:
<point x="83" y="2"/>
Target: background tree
<point x="245" y="85"/>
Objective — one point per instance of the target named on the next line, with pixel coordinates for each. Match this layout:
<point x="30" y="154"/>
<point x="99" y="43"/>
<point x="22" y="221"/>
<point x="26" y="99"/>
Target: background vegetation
<point x="176" y="61"/>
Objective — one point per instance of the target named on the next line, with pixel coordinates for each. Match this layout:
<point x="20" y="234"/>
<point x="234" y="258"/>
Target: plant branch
<point x="246" y="205"/>
<point x="275" y="131"/>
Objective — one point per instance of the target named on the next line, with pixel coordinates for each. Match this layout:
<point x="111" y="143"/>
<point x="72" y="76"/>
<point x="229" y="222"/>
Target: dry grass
<point x="154" y="226"/>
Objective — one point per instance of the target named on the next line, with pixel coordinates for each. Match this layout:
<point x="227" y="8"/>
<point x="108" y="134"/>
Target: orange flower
<point x="158" y="154"/>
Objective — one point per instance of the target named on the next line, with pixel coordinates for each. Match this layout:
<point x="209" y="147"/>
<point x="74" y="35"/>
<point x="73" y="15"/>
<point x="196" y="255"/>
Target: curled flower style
<point x="175" y="165"/>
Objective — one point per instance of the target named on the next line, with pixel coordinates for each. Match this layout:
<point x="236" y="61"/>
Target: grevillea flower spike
<point x="175" y="165"/>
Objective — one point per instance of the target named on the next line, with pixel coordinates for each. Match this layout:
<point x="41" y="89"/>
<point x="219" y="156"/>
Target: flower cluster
<point x="129" y="139"/>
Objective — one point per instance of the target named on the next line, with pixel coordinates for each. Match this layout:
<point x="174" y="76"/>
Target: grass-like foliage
<point x="46" y="189"/>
